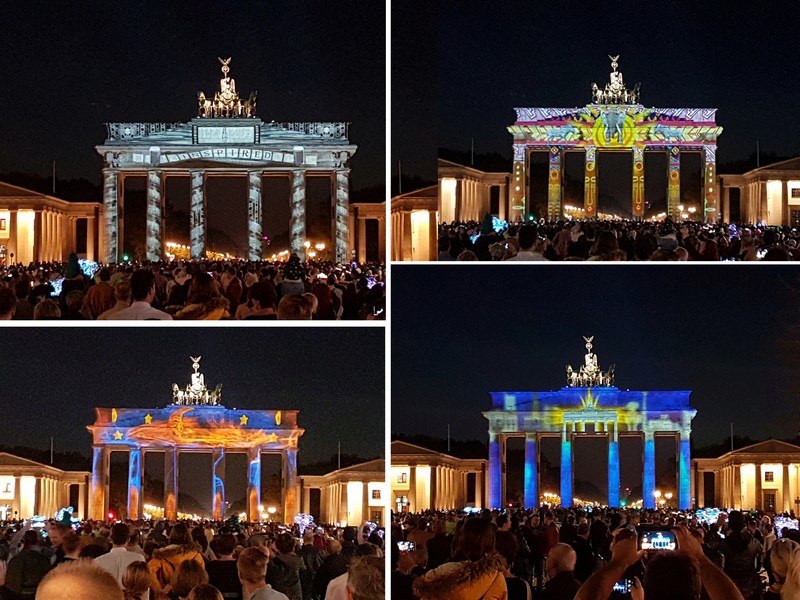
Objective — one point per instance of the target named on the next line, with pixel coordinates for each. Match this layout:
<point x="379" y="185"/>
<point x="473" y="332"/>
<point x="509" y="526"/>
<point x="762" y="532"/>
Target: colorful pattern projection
<point x="195" y="427"/>
<point x="615" y="126"/>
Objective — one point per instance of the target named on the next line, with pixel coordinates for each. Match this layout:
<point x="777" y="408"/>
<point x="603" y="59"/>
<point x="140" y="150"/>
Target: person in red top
<point x="551" y="532"/>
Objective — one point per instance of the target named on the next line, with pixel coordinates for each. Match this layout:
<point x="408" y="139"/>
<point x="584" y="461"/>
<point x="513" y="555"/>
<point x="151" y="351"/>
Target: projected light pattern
<point x="134" y="483"/>
<point x="593" y="409"/>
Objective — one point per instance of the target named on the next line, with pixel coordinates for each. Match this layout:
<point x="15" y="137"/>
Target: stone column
<point x="153" y="227"/>
<point x="412" y="489"/>
<point x="674" y="182"/>
<point x="306" y="504"/>
<point x="566" y="467"/>
<point x="684" y="472"/>
<point x="73" y="235"/>
<point x="649" y="473"/>
<point x="340" y="214"/>
<point x="757" y="502"/>
<point x="613" y="467"/>
<point x="786" y="500"/>
<point x="786" y="216"/>
<point x="344" y="514"/>
<point x="120" y="216"/>
<point x="90" y="243"/>
<point x="254" y="215"/>
<point x="171" y="483"/>
<point x="135" y="483"/>
<point x="762" y="202"/>
<point x="554" y="187"/>
<point x="531" y="471"/>
<point x="82" y="501"/>
<point x="700" y="488"/>
<point x="37" y="236"/>
<point x="12" y="236"/>
<point x="362" y="239"/>
<point x="737" y="487"/>
<point x="99" y="482"/>
<point x="382" y="237"/>
<point x="518" y="184"/>
<point x="726" y="205"/>
<point x="590" y="182"/>
<point x="289" y="468"/>
<point x="638" y="181"/>
<point x="111" y="210"/>
<point x="710" y="204"/>
<point x="717" y="500"/>
<point x="218" y="480"/>
<point x="479" y="489"/>
<point x="297" y="219"/>
<point x="433" y="496"/>
<point x="495" y="472"/>
<point x="253" y="483"/>
<point x="198" y="215"/>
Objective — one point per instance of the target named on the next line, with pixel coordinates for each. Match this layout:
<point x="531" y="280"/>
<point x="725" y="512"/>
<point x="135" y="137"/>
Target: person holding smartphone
<point x="670" y="575"/>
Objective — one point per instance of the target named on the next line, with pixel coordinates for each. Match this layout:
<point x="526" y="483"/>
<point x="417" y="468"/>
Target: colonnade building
<point x="423" y="479"/>
<point x="589" y="405"/>
<point x="29" y="488"/>
<point x="348" y="496"/>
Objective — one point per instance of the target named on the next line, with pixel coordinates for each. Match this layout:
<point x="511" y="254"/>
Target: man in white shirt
<point x="116" y="561"/>
<point x="143" y="290"/>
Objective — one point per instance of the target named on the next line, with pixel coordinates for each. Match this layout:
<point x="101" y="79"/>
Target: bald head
<point x="79" y="580"/>
<point x="561" y="559"/>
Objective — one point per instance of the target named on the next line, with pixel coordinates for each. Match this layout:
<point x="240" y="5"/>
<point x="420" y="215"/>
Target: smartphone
<point x="654" y="539"/>
<point x="406" y="546"/>
<point x="623" y="586"/>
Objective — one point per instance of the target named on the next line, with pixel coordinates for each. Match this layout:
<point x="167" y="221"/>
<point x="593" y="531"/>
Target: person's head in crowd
<point x="122" y="291"/>
<point x="188" y="575"/>
<point x="252" y="568"/>
<point x="527" y="237"/>
<point x="507" y="546"/>
<point x="120" y="533"/>
<point x="71" y="544"/>
<point x="777" y="253"/>
<point x="8" y="304"/>
<point x="74" y="300"/>
<point x="22" y="287"/>
<point x="312" y="302"/>
<point x="203" y="288"/>
<point x="46" y="309"/>
<point x="143" y="286"/>
<point x="672" y="576"/>
<point x="79" y="580"/>
<point x="226" y="544"/>
<point x="136" y="581"/>
<point x="179" y="536"/>
<point x="294" y="307"/>
<point x="262" y="295"/>
<point x="365" y="579"/>
<point x="785" y="562"/>
<point x="467" y="256"/>
<point x="205" y="591"/>
<point x="474" y="540"/>
<point x="285" y="543"/>
<point x="560" y="559"/>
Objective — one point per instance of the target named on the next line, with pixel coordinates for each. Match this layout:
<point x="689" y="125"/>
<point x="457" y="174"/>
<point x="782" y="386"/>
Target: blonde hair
<point x="136" y="581"/>
<point x="79" y="580"/>
<point x="785" y="557"/>
<point x="252" y="565"/>
<point x="365" y="578"/>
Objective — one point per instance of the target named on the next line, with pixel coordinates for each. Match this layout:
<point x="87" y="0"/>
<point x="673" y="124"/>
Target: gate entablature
<point x="615" y="120"/>
<point x="225" y="139"/>
<point x="590" y="410"/>
<point x="196" y="421"/>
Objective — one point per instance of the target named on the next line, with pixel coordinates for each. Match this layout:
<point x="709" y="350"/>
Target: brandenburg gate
<point x="225" y="139"/>
<point x="589" y="405"/>
<point x="614" y="121"/>
<point x="196" y="421"/>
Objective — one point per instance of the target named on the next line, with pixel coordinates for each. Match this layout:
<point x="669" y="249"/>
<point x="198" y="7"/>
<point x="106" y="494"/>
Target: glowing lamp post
<point x="668" y="496"/>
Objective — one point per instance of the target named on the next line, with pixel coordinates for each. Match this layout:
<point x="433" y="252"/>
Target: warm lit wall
<point x="355" y="502"/>
<point x="447" y="199"/>
<point x="748" y="487"/>
<point x="420" y="235"/>
<point x="27" y="496"/>
<point x="423" y="489"/>
<point x="397" y="474"/>
<point x="25" y="237"/>
<point x="774" y="202"/>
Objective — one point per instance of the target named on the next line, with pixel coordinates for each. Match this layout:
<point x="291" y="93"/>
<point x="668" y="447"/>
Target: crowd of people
<point x="593" y="554"/>
<point x="194" y="290"/>
<point x="620" y="240"/>
<point x="189" y="561"/>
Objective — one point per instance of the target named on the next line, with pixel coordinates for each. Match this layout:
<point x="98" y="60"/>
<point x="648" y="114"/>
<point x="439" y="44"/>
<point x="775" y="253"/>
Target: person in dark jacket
<point x="26" y="569"/>
<point x="742" y="554"/>
<point x="439" y="545"/>
<point x="561" y="568"/>
<point x="335" y="564"/>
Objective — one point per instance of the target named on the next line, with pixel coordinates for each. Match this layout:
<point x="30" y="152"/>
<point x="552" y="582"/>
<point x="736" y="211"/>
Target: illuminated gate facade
<point x="226" y="139"/>
<point x="196" y="421"/>
<point x="615" y="120"/>
<point x="589" y="405"/>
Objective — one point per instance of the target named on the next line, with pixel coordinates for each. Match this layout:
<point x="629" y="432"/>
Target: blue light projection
<point x="531" y="474"/>
<point x="649" y="483"/>
<point x="684" y="474"/>
<point x="134" y="483"/>
<point x="613" y="472"/>
<point x="495" y="475"/>
<point x="566" y="473"/>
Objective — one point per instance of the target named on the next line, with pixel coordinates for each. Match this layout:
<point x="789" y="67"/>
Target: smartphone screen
<point x="406" y="546"/>
<point x="660" y="539"/>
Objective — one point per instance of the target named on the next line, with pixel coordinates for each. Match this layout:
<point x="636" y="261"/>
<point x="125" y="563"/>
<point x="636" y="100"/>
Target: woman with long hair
<point x="475" y="571"/>
<point x="205" y="301"/>
<point x="165" y="561"/>
<point x="136" y="581"/>
<point x="785" y="563"/>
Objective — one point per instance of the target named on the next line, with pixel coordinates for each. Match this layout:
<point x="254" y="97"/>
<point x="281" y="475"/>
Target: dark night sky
<point x="727" y="334"/>
<point x="70" y="68"/>
<point x="52" y="378"/>
<point x="495" y="56"/>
